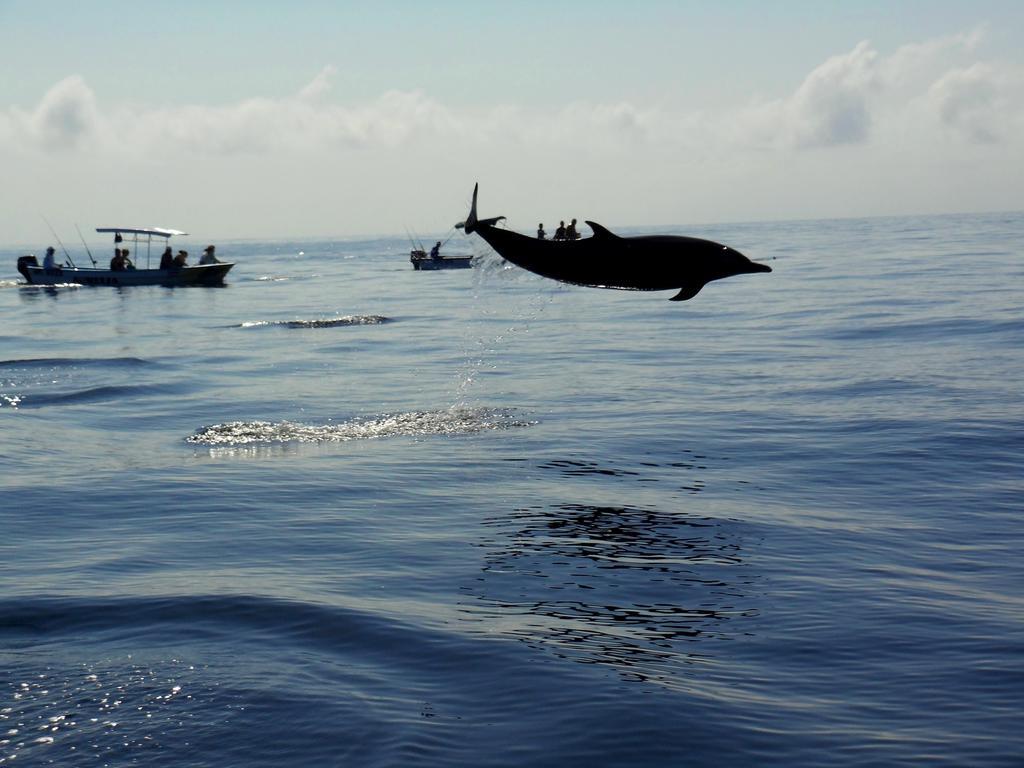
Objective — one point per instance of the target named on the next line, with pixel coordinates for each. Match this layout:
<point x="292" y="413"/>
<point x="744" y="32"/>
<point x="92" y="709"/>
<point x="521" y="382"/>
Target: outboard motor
<point x="26" y="261"/>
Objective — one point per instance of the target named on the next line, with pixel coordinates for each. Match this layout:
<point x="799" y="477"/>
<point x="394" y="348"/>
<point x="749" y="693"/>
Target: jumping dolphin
<point x="645" y="263"/>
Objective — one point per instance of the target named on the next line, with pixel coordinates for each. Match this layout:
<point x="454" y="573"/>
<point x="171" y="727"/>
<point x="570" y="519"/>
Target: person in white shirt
<point x="208" y="256"/>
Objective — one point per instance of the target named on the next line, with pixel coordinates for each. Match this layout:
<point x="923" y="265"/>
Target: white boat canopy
<point x="151" y="231"/>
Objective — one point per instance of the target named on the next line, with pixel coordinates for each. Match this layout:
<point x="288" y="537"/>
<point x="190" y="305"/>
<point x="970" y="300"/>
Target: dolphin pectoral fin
<point x="687" y="291"/>
<point x="599" y="231"/>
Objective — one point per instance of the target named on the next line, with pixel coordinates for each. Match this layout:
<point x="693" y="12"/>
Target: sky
<point x="349" y="119"/>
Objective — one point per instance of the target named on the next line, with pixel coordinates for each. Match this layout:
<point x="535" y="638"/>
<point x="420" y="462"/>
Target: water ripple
<point x="79" y="362"/>
<point x="932" y="329"/>
<point x="103" y="711"/>
<point x="89" y="395"/>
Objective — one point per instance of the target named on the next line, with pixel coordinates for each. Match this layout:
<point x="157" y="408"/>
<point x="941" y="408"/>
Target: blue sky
<point x="317" y="118"/>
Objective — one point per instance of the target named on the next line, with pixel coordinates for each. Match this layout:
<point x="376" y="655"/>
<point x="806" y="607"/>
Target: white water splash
<point x="454" y="421"/>
<point x="328" y="322"/>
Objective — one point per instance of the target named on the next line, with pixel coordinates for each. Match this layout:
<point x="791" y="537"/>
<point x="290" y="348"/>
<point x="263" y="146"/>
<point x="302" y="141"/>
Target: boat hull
<point x="448" y="263"/>
<point x="445" y="262"/>
<point x="200" y="274"/>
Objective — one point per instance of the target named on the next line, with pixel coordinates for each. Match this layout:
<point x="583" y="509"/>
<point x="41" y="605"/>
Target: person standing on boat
<point x="560" y="232"/>
<point x="435" y="252"/>
<point x="167" y="259"/>
<point x="570" y="231"/>
<point x="48" y="260"/>
<point x="208" y="256"/>
<point x="541" y="234"/>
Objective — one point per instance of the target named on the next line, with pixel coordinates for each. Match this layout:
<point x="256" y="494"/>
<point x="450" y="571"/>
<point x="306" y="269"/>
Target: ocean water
<point x="342" y="513"/>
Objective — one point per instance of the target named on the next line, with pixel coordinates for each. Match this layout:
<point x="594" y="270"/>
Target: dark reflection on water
<point x="640" y="472"/>
<point x="573" y="467"/>
<point x="631" y="588"/>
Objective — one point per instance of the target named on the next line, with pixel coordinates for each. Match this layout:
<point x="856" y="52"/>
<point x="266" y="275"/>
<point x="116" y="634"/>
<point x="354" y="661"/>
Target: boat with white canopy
<point x="122" y="271"/>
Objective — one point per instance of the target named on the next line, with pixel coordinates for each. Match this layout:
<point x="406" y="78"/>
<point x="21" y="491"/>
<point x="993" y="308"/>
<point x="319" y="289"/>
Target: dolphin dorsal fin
<point x="600" y="231"/>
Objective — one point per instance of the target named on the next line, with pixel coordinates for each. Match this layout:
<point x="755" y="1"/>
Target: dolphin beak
<point x="748" y="266"/>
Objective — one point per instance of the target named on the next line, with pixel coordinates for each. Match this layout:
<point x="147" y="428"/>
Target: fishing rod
<point x="54" y="233"/>
<point x="415" y="242"/>
<point x="450" y="236"/>
<point x="86" y="246"/>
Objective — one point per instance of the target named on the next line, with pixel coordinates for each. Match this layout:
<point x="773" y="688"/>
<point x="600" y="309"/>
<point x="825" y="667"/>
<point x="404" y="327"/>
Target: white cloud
<point x="913" y="65"/>
<point x="860" y="125"/>
<point x="65" y="119"/>
<point x="846" y="101"/>
<point x="842" y="102"/>
<point x="969" y="102"/>
<point x="301" y="124"/>
<point x="319" y="85"/>
<point x="831" y="106"/>
<point x="864" y="98"/>
<point x="621" y="124"/>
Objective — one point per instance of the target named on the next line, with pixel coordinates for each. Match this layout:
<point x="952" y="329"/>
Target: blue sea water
<point x="340" y="512"/>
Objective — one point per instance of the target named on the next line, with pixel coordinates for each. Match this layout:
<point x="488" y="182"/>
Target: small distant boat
<point x="199" y="274"/>
<point x="422" y="260"/>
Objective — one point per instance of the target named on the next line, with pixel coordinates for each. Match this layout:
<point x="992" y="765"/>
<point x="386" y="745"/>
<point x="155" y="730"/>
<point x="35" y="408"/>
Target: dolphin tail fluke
<point x="471" y="220"/>
<point x="687" y="291"/>
<point x="472" y="223"/>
